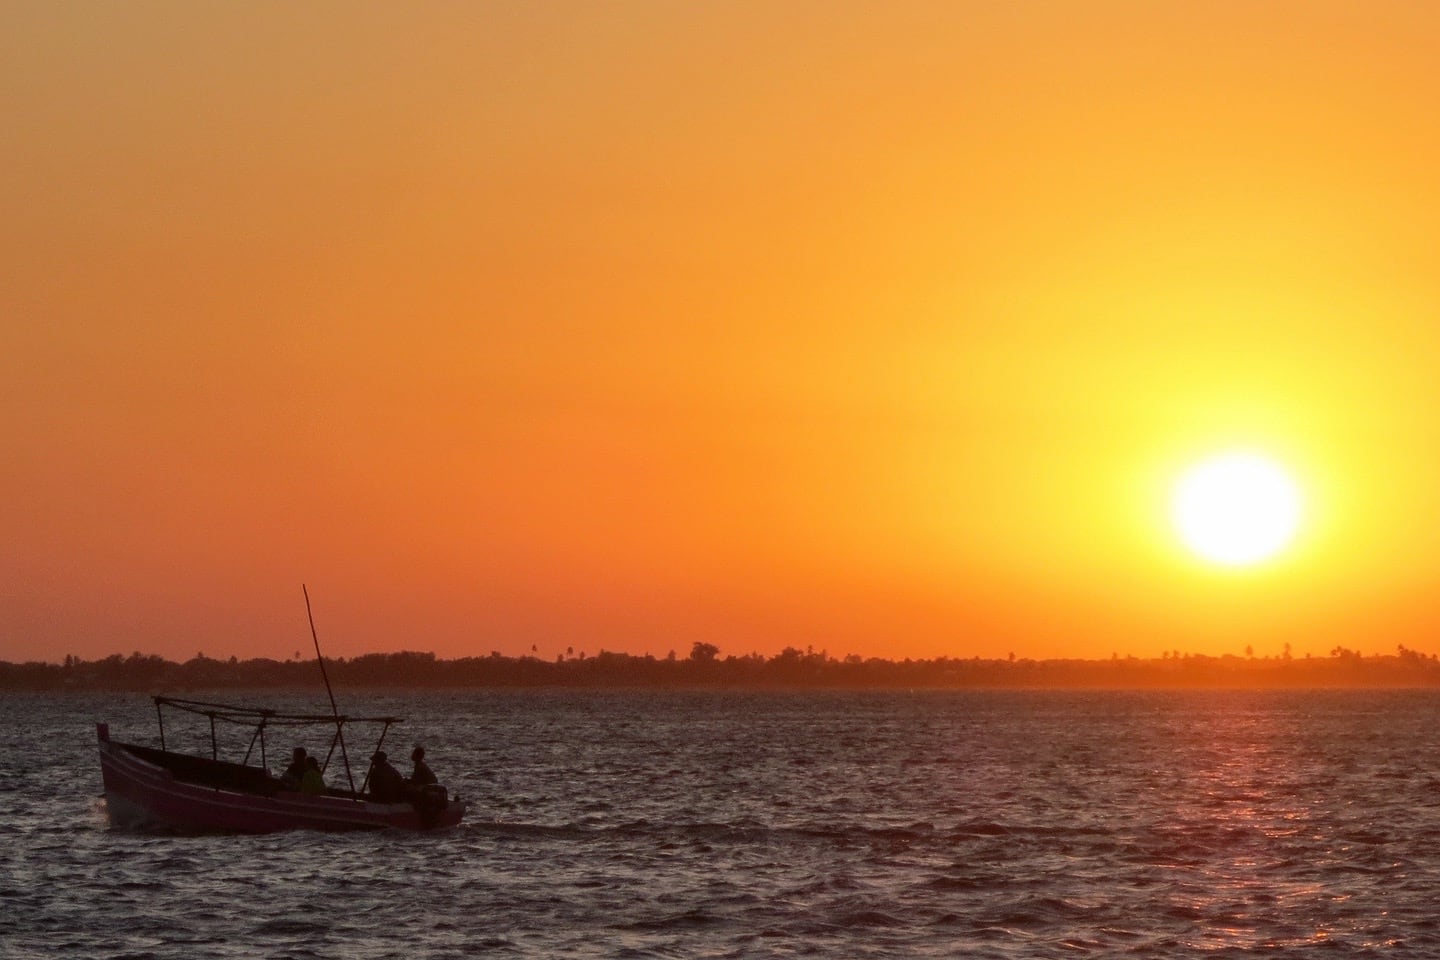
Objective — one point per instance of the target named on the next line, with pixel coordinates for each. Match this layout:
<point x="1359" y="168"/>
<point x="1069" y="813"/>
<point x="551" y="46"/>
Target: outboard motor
<point x="430" y="801"/>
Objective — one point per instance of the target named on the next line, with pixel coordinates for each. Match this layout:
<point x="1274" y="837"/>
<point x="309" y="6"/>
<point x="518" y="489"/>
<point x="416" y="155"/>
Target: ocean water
<point x="957" y="824"/>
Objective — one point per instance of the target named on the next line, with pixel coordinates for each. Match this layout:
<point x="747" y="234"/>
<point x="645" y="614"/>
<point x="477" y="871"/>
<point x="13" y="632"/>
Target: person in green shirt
<point x="312" y="782"/>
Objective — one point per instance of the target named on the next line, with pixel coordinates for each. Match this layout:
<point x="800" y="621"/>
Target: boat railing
<point x="262" y="719"/>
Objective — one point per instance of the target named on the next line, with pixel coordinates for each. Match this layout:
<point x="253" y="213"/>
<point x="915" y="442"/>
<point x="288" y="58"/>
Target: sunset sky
<point x="878" y="328"/>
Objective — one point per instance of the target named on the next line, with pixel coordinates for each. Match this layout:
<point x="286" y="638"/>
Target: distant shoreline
<point x="705" y="669"/>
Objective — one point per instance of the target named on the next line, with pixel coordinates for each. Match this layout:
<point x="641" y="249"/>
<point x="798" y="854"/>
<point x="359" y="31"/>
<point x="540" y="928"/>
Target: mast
<point x="339" y="722"/>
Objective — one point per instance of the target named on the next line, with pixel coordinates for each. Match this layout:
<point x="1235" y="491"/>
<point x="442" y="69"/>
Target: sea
<point x="1001" y="824"/>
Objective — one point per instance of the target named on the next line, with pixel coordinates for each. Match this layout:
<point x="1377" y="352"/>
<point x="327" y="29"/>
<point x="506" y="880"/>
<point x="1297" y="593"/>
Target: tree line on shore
<point x="705" y="668"/>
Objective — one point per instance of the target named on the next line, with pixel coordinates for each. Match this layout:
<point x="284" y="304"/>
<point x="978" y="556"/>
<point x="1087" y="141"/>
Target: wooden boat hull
<point x="144" y="786"/>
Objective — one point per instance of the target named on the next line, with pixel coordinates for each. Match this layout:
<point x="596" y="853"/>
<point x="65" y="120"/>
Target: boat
<point x="159" y="787"/>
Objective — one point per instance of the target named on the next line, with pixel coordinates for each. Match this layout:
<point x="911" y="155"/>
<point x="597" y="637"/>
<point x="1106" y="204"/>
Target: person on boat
<point x="423" y="775"/>
<point x="313" y="782"/>
<point x="294" y="774"/>
<point x="386" y="783"/>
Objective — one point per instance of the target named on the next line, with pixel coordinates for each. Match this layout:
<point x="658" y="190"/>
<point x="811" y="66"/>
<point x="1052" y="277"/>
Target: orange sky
<point x="878" y="328"/>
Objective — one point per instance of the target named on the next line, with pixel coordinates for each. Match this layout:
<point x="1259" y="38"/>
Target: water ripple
<point x="862" y="825"/>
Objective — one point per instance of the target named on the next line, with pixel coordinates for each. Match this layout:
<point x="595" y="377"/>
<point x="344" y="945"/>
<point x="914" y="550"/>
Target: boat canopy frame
<point x="261" y="719"/>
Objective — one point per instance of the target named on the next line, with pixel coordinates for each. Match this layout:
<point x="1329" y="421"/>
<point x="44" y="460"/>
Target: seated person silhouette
<point x="386" y="783"/>
<point x="423" y="775"/>
<point x="294" y="774"/>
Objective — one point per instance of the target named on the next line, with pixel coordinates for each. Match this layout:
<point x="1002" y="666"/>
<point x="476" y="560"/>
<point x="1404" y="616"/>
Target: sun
<point x="1236" y="509"/>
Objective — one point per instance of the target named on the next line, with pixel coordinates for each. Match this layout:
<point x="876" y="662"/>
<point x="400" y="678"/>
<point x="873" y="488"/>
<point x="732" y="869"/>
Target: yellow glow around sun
<point x="1236" y="509"/>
